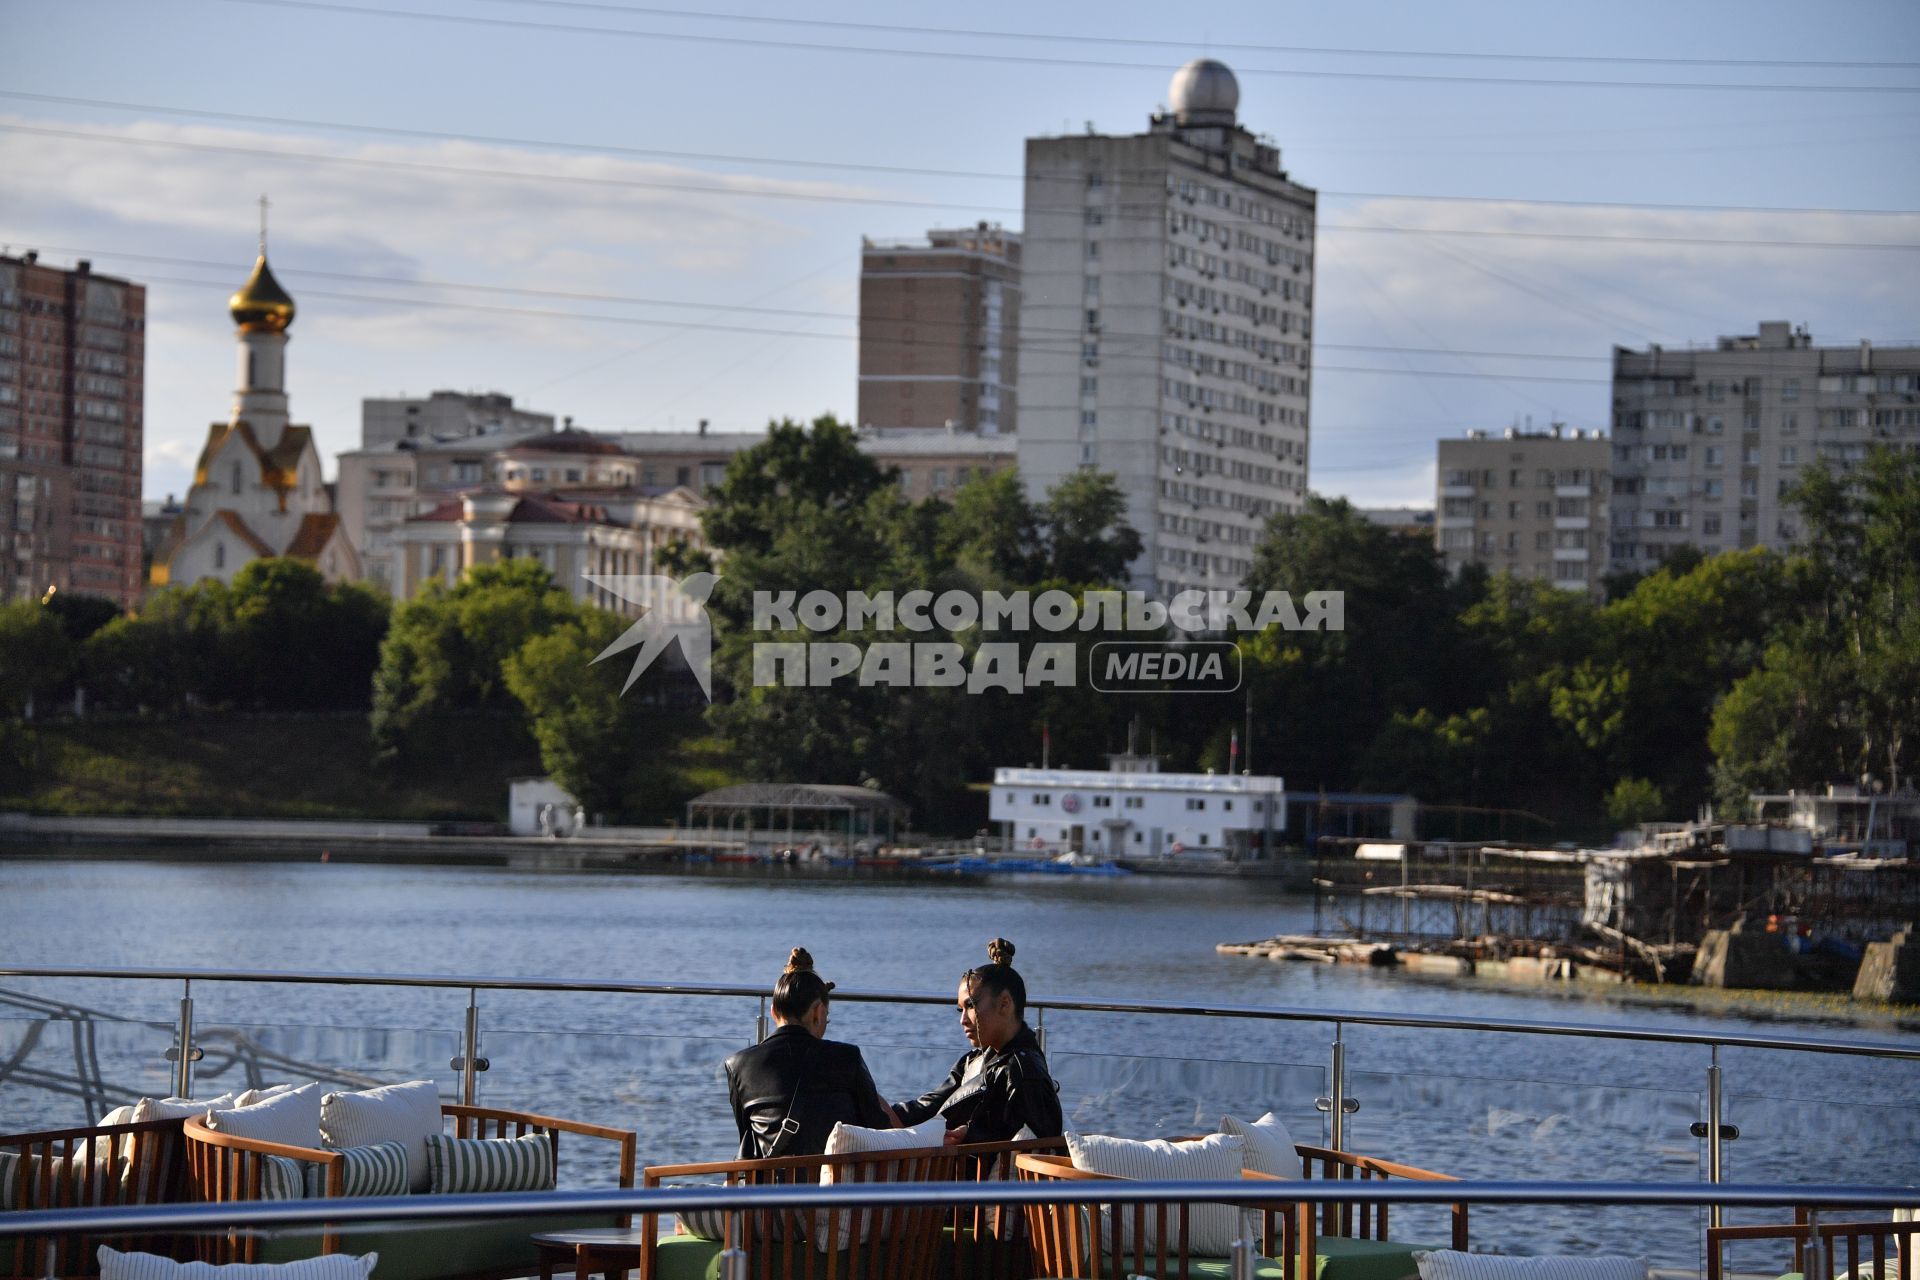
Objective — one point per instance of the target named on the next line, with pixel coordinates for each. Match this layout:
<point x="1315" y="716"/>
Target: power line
<point x="824" y="197"/>
<point x="651" y="322"/>
<point x="1137" y="42"/>
<point x="522" y="24"/>
<point x="854" y="166"/>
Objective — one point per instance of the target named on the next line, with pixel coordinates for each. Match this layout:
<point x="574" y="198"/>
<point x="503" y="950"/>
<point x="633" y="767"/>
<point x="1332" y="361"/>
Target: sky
<point x="641" y="217"/>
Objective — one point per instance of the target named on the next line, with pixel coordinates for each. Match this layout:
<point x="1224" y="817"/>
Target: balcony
<point x="1570" y="553"/>
<point x="1573" y="522"/>
<point x="1573" y="491"/>
<point x="1456" y="491"/>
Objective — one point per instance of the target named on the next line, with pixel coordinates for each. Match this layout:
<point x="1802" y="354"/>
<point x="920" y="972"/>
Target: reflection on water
<point x="1471" y="1103"/>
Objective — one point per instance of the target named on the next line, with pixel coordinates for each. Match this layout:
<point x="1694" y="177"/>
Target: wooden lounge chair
<point x="845" y="1244"/>
<point x="1114" y="1241"/>
<point x="1350" y="1241"/>
<point x="224" y="1169"/>
<point x="97" y="1167"/>
<point x="1855" y="1249"/>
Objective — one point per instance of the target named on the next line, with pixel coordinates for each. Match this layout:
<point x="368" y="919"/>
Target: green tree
<point x="36" y="656"/>
<point x="1839" y="696"/>
<point x="176" y="655"/>
<point x="299" y="644"/>
<point x="591" y="738"/>
<point x="1320" y="697"/>
<point x="446" y="647"/>
<point x="1087" y="540"/>
<point x="1632" y="802"/>
<point x="991" y="532"/>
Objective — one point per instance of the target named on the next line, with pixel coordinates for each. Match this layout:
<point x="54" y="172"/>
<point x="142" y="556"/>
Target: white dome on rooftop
<point x="1204" y="92"/>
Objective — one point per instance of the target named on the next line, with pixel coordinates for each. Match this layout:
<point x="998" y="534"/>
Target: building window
<point x="234" y="477"/>
<point x="1710" y="524"/>
<point x="219" y="555"/>
<point x="1790" y="389"/>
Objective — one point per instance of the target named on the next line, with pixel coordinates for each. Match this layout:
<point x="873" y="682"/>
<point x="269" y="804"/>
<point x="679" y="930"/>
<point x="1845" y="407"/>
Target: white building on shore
<point x="1132" y="810"/>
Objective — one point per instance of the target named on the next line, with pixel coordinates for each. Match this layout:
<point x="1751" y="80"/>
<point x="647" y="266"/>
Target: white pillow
<point x="405" y="1113"/>
<point x="1269" y="1145"/>
<point x="848" y="1138"/>
<point x="291" y="1118"/>
<point x="1446" y="1264"/>
<point x="1211" y="1228"/>
<point x="119" y="1115"/>
<point x="115" y="1265"/>
<point x="250" y="1096"/>
<point x="174" y="1108"/>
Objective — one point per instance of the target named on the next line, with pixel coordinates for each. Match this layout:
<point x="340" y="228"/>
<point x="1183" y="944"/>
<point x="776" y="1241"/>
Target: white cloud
<point x="1561" y="296"/>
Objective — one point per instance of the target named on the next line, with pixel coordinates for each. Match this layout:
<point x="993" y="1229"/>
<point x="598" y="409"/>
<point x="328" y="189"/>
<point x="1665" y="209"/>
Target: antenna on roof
<point x="263" y="224"/>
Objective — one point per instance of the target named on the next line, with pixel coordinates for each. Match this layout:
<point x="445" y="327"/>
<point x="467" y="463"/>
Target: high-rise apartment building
<point x="72" y="373"/>
<point x="1166" y="324"/>
<point x="1707" y="444"/>
<point x="940" y="331"/>
<point x="1530" y="503"/>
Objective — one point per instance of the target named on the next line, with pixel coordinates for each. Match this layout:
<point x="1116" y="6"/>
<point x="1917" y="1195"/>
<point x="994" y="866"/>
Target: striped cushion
<point x="405" y="1113"/>
<point x="1211" y="1229"/>
<point x="1446" y="1264"/>
<point x="63" y="1185"/>
<point x="378" y="1169"/>
<point x="115" y="1265"/>
<point x="462" y="1165"/>
<point x="282" y="1178"/>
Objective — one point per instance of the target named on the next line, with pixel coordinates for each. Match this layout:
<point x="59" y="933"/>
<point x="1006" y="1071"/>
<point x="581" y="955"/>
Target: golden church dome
<point x="261" y="306"/>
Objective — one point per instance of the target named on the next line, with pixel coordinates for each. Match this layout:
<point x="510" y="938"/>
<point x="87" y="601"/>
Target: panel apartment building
<point x="940" y="331"/>
<point x="72" y="377"/>
<point x="1708" y="443"/>
<point x="1166" y="328"/>
<point x="1529" y="503"/>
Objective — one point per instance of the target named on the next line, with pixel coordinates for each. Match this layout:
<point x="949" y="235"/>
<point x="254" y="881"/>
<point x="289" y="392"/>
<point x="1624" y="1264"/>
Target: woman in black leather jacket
<point x="1003" y="1086"/>
<point x="789" y="1090"/>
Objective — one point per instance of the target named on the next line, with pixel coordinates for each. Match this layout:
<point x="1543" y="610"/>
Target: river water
<point x="1472" y="1103"/>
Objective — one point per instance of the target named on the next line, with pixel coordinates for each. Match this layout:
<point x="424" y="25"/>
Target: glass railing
<point x="1473" y="1098"/>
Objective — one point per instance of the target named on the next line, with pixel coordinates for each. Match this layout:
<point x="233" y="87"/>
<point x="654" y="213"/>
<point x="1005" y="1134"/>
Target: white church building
<point x="257" y="488"/>
<point x="1132" y="810"/>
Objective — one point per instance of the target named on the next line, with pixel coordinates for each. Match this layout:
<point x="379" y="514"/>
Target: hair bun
<point x="1000" y="951"/>
<point x="799" y="960"/>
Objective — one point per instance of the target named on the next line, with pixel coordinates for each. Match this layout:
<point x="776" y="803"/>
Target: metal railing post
<point x="183" y="1065"/>
<point x="1715" y="1155"/>
<point x="1241" y="1263"/>
<point x="470" y="1053"/>
<point x="1816" y="1260"/>
<point x="1337" y="1087"/>
<point x="760" y="1023"/>
<point x="733" y="1264"/>
<point x="1040" y="1027"/>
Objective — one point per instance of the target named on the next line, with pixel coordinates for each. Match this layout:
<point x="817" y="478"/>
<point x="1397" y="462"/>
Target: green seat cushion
<point x="427" y="1248"/>
<point x="1197" y="1268"/>
<point x="688" y="1258"/>
<point x="1342" y="1258"/>
<point x="960" y="1256"/>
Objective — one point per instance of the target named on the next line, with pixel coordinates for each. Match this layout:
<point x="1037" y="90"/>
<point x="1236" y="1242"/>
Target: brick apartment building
<point x="72" y="362"/>
<point x="940" y="331"/>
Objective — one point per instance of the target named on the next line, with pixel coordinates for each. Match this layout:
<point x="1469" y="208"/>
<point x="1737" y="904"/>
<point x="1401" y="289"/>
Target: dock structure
<point x="1732" y="894"/>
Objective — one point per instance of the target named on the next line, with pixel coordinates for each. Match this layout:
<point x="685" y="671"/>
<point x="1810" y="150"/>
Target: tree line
<point x="1699" y="682"/>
